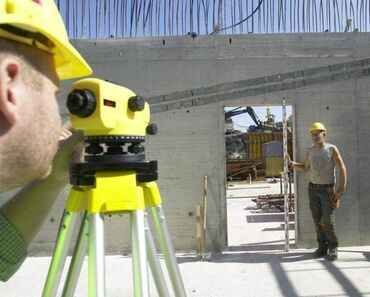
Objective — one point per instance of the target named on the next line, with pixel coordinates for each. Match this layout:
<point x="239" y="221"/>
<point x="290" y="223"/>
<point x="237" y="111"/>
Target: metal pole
<point x="165" y="243"/>
<point x="285" y="157"/>
<point x="139" y="258"/>
<point x="77" y="259"/>
<point x="60" y="253"/>
<point x="96" y="265"/>
<point x="154" y="264"/>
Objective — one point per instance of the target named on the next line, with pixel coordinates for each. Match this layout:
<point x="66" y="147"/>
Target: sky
<point x="243" y="121"/>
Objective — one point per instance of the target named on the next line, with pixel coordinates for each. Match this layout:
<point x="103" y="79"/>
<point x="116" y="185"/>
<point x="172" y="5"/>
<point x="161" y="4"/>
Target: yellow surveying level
<point x="114" y="178"/>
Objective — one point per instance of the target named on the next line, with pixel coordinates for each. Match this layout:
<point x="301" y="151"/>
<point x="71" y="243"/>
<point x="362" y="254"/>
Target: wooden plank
<point x="198" y="235"/>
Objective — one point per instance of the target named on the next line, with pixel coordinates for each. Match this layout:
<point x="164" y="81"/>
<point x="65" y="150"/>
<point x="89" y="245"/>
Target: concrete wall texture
<point x="323" y="76"/>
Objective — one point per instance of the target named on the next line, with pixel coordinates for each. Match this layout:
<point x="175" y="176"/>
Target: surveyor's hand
<point x="71" y="148"/>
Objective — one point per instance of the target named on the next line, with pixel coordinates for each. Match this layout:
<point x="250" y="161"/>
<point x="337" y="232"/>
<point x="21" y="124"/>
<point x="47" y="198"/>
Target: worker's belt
<point x="319" y="186"/>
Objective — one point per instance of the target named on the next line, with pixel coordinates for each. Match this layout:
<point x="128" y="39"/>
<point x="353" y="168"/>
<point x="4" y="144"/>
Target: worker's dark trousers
<point x="323" y="215"/>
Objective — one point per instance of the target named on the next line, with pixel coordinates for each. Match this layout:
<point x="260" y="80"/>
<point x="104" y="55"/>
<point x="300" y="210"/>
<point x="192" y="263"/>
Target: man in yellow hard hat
<point x="320" y="163"/>
<point x="35" y="54"/>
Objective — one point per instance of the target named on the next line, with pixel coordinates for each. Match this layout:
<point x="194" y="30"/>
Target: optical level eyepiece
<point x="81" y="102"/>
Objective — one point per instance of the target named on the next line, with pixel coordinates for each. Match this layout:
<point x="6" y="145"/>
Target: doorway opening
<point x="254" y="177"/>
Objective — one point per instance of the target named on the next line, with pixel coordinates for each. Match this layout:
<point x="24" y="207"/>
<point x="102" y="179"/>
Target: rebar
<point x="135" y="18"/>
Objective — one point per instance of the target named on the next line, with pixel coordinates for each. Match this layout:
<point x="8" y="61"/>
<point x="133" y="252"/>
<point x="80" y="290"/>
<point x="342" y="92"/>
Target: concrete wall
<point x="190" y="144"/>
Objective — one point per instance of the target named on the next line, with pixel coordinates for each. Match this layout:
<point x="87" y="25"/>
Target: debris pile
<point x="236" y="145"/>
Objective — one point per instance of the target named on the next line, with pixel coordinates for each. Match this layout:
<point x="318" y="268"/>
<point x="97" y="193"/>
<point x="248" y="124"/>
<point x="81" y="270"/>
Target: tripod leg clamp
<point x="151" y="193"/>
<point x="77" y="199"/>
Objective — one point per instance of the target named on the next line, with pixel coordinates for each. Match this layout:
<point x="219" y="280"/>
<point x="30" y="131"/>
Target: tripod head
<point x="110" y="116"/>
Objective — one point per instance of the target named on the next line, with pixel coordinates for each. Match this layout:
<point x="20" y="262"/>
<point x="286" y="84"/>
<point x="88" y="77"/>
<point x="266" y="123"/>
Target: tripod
<point x="113" y="184"/>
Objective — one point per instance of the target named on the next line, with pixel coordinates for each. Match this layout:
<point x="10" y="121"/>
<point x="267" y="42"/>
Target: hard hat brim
<point x="69" y="64"/>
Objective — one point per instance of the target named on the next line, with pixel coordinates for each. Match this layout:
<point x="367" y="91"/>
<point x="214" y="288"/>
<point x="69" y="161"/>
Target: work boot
<point x="333" y="254"/>
<point x="321" y="251"/>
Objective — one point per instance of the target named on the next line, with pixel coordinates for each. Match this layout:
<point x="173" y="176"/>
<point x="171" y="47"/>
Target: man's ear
<point x="9" y="82"/>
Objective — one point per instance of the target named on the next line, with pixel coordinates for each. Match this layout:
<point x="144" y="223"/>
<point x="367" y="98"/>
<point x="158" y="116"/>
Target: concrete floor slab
<point x="255" y="265"/>
<point x="237" y="274"/>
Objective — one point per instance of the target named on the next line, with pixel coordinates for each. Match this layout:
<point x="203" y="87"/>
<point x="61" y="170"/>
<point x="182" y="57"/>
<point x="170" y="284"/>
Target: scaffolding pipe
<point x="286" y="177"/>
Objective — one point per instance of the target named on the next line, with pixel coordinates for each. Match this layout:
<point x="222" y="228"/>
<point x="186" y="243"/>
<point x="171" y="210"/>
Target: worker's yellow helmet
<point x="317" y="127"/>
<point x="38" y="23"/>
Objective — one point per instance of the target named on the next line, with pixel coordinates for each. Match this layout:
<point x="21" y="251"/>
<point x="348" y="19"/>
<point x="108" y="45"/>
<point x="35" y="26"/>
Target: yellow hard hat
<point x="317" y="127"/>
<point x="38" y="23"/>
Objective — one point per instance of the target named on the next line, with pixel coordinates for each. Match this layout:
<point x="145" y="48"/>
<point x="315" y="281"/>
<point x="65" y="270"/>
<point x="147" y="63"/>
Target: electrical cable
<point x="240" y="22"/>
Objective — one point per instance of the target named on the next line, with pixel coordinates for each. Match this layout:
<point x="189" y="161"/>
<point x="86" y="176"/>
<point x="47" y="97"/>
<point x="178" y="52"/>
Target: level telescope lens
<point x="81" y="102"/>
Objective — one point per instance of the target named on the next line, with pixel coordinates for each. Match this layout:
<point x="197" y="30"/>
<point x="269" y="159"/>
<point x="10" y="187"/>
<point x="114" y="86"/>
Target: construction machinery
<point x="260" y="126"/>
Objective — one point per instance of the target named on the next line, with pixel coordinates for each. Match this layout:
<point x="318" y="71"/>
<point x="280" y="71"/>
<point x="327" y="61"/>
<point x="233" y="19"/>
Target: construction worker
<point x="35" y="54"/>
<point x="320" y="163"/>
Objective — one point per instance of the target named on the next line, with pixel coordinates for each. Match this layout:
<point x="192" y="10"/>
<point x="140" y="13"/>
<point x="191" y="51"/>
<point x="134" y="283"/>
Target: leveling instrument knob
<point x="81" y="103"/>
<point x="136" y="148"/>
<point x="152" y="129"/>
<point x="136" y="103"/>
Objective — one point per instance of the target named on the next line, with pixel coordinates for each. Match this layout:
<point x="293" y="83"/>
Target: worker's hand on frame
<point x="71" y="147"/>
<point x="288" y="160"/>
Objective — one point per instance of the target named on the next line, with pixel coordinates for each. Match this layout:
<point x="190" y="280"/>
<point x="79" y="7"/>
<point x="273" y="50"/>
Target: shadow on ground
<point x="272" y="253"/>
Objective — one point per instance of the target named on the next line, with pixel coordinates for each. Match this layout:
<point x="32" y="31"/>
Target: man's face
<point x="317" y="136"/>
<point x="45" y="123"/>
<point x="33" y="140"/>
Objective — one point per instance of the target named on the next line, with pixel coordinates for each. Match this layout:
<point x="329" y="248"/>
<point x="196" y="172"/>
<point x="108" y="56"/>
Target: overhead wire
<point x="242" y="21"/>
<point x="130" y="18"/>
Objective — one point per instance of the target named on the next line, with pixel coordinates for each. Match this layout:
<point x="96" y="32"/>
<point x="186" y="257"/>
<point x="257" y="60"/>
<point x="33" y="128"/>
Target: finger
<point x="68" y="125"/>
<point x="64" y="134"/>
